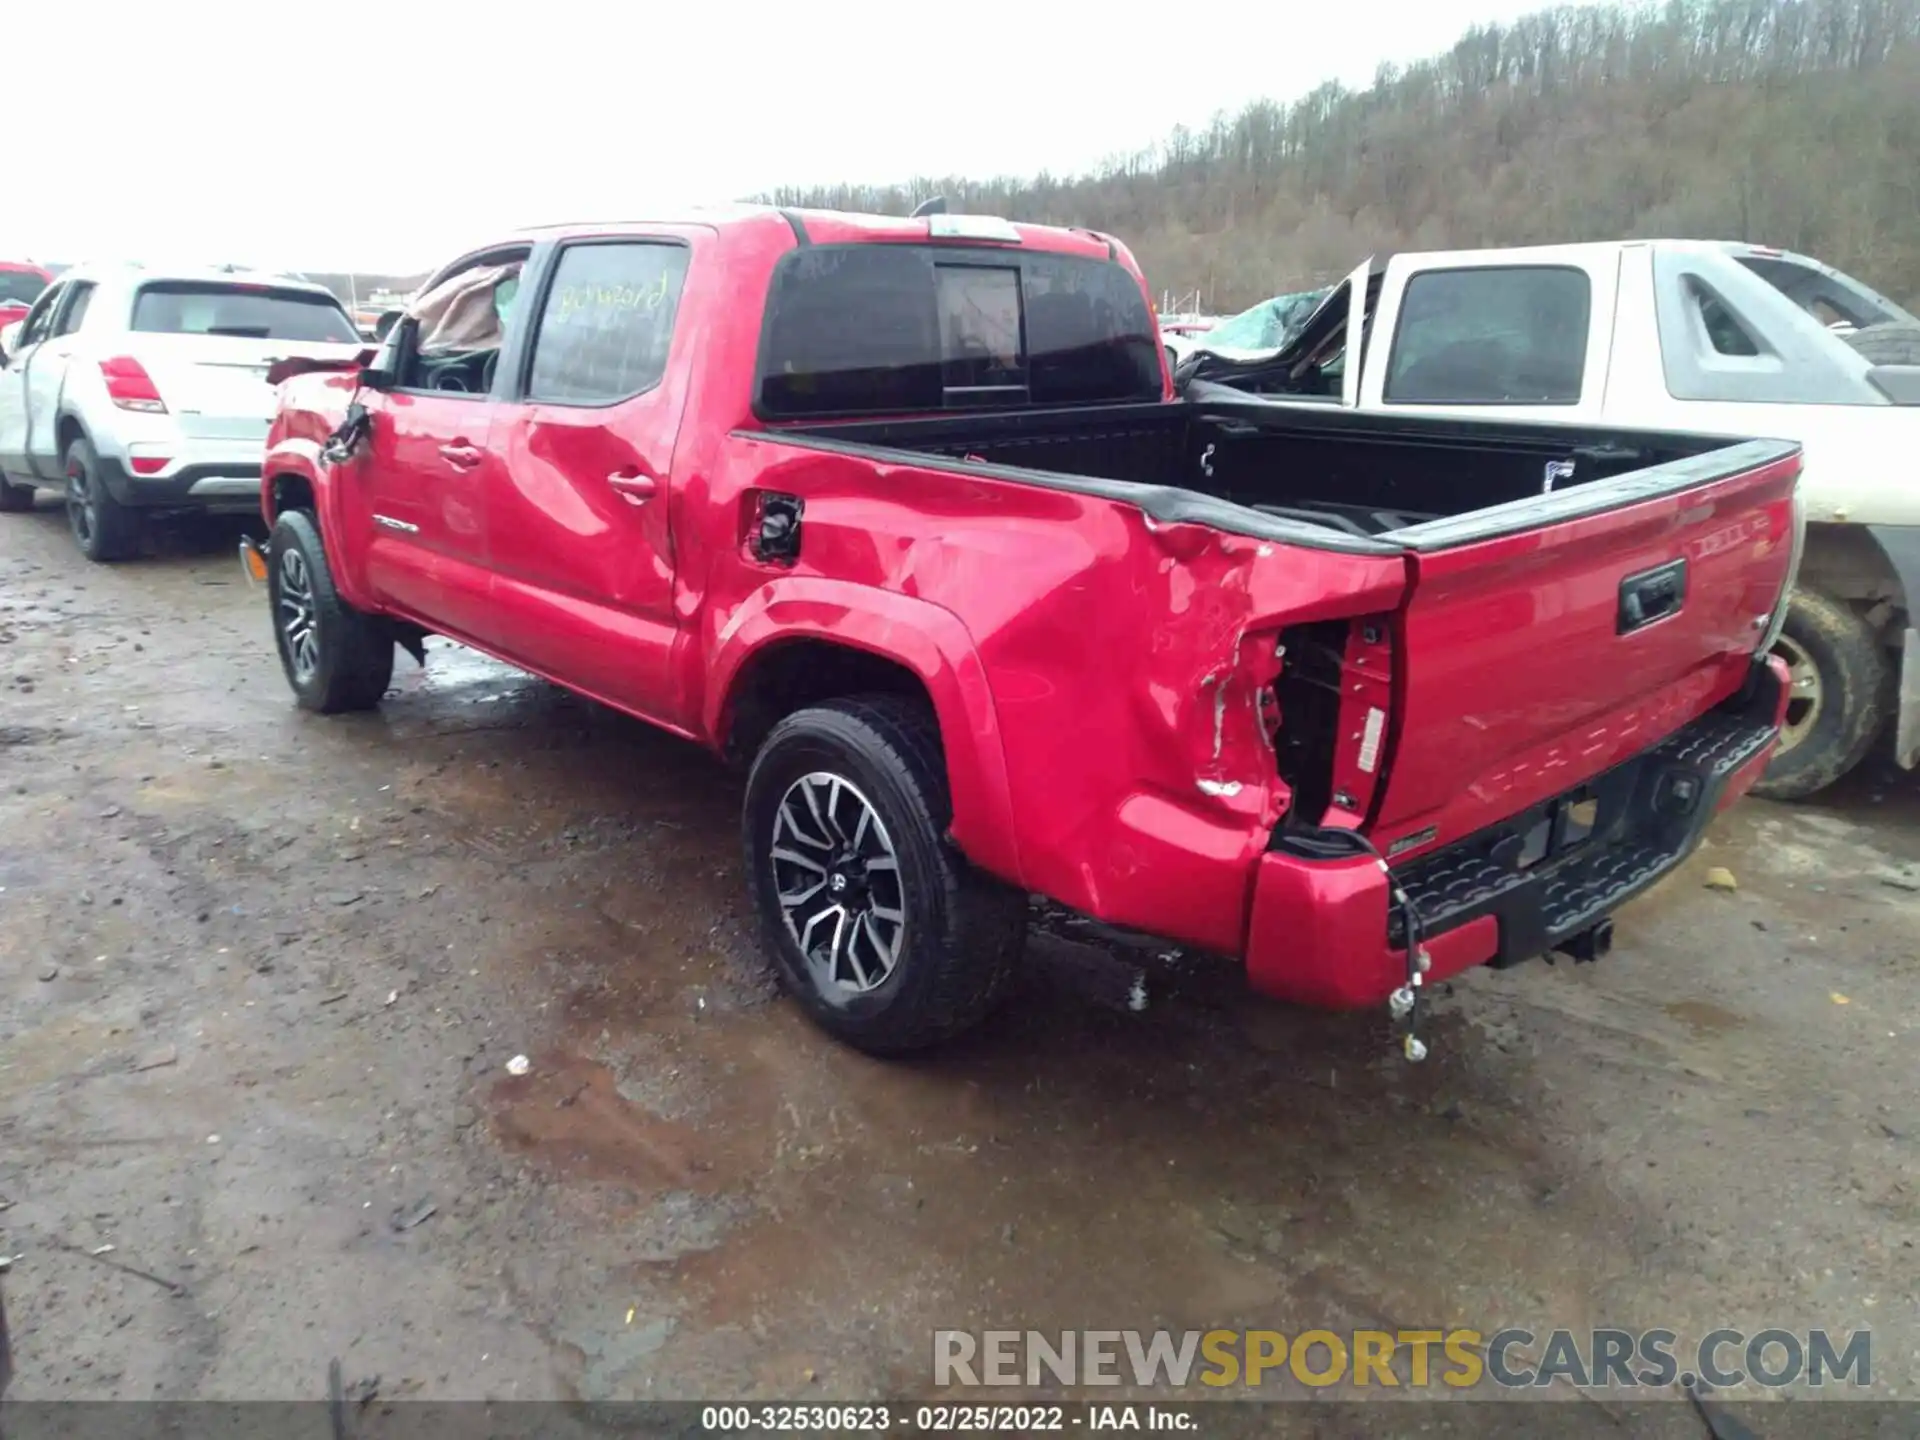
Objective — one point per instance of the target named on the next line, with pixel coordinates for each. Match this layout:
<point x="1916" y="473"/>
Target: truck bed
<point x="1568" y="596"/>
<point x="1344" y="475"/>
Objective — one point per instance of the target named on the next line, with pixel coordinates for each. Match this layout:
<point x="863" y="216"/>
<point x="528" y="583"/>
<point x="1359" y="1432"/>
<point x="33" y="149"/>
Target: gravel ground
<point x="265" y="972"/>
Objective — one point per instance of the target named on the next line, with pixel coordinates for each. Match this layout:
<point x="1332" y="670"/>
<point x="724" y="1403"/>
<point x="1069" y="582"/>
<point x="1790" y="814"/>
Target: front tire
<point x="1842" y="692"/>
<point x="15" y="499"/>
<point x="335" y="657"/>
<point x="103" y="528"/>
<point x="887" y="937"/>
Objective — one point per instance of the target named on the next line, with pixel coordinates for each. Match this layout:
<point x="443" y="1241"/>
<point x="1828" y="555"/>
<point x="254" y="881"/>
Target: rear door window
<point x="606" y="323"/>
<point x="1508" y="335"/>
<point x="896" y="329"/>
<point x="252" y="312"/>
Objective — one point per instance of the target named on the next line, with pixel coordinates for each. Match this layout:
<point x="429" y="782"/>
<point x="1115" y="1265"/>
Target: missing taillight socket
<point x="776" y="535"/>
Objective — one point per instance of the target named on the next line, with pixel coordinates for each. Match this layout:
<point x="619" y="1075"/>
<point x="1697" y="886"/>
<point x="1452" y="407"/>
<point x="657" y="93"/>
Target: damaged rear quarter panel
<point x="1130" y="694"/>
<point x="1124" y="663"/>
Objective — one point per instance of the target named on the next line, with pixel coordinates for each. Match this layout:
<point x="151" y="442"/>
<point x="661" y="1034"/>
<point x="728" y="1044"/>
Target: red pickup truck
<point x="905" y="515"/>
<point x="20" y="286"/>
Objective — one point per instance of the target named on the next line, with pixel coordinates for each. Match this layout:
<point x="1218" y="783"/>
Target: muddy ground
<point x="263" y="973"/>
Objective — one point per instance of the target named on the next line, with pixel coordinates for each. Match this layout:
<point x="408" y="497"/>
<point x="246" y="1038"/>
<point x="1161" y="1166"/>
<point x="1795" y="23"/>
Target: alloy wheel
<point x="82" y="514"/>
<point x="1804" y="692"/>
<point x="298" y="623"/>
<point x="837" y="877"/>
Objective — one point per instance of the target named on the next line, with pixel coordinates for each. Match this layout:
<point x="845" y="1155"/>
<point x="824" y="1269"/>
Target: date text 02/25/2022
<point x="944" y="1419"/>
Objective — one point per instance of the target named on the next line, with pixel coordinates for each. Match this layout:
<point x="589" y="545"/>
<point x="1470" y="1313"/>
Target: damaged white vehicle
<point x="1704" y="336"/>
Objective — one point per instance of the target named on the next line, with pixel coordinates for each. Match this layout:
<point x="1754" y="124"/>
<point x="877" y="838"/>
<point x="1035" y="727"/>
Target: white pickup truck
<point x="1683" y="335"/>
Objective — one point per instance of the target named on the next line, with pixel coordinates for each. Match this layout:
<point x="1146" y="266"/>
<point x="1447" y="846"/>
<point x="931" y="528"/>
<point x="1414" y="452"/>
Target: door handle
<point x="460" y="455"/>
<point x="1651" y="595"/>
<point x="634" y="489"/>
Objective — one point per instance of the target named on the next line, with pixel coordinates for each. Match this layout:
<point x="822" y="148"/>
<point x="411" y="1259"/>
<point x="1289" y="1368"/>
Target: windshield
<point x="20" y="287"/>
<point x="1833" y="299"/>
<point x="253" y="312"/>
<point x="1267" y="326"/>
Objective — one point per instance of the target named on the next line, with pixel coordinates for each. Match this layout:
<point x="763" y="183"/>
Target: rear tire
<point x="103" y="528"/>
<point x="15" y="499"/>
<point x="1842" y="692"/>
<point x="847" y="803"/>
<point x="335" y="657"/>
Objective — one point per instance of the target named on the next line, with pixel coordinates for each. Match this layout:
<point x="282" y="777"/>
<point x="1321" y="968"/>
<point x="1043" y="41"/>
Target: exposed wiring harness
<point x="1405" y="1004"/>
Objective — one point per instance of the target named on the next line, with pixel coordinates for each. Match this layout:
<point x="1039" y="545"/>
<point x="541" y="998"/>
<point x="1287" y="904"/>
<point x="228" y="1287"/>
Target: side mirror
<point x="399" y="337"/>
<point x="10" y="340"/>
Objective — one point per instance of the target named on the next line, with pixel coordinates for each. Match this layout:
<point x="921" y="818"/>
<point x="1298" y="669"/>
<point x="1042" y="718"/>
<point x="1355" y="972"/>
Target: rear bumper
<point x="1323" y="931"/>
<point x="206" y="478"/>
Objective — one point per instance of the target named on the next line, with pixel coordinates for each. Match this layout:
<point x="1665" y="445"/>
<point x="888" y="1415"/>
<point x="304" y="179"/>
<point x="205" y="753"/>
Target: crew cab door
<point x="582" y="451"/>
<point x="1525" y="336"/>
<point x="421" y="493"/>
<point x="14" y="416"/>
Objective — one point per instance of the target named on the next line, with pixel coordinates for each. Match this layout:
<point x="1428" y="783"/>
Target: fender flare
<point x="923" y="637"/>
<point x="1901" y="545"/>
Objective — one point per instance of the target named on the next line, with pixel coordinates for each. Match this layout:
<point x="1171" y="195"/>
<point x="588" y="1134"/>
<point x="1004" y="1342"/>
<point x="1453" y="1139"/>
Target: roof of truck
<point x="838" y="227"/>
<point x="1714" y="247"/>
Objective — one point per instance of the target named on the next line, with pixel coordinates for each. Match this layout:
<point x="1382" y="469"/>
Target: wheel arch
<point x="802" y="640"/>
<point x="1872" y="567"/>
<point x="292" y="472"/>
<point x="287" y="489"/>
<point x="67" y="428"/>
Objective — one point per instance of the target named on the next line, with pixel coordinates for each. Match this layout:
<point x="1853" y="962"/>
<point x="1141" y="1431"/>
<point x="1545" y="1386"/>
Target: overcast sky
<point x="391" y="135"/>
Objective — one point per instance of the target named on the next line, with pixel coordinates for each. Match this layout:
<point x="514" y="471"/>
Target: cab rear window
<point x="174" y="307"/>
<point x="898" y="329"/>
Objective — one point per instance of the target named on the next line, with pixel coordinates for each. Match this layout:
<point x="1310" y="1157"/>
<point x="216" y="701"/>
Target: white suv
<point x="135" y="390"/>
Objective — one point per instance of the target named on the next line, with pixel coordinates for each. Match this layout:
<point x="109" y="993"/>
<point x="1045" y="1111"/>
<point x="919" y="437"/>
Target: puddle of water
<point x="1703" y="1018"/>
<point x="453" y="667"/>
<point x="568" y="1113"/>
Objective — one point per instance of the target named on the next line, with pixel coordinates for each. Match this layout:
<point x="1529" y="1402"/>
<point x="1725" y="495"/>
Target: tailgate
<point x="216" y="385"/>
<point x="1583" y="627"/>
